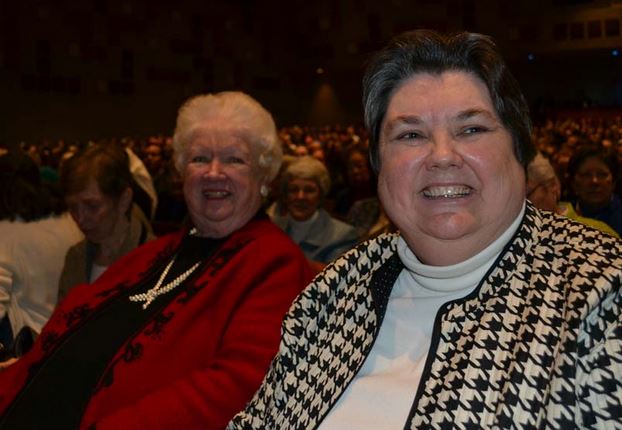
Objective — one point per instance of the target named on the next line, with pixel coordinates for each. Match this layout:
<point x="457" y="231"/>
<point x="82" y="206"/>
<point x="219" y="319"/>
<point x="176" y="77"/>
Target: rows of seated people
<point x="343" y="151"/>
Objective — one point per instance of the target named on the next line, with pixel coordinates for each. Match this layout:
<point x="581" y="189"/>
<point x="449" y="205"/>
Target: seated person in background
<point x="171" y="208"/>
<point x="593" y="175"/>
<point x="483" y="312"/>
<point x="359" y="186"/>
<point x="177" y="334"/>
<point x="322" y="238"/>
<point x="544" y="191"/>
<point x="36" y="235"/>
<point x="145" y="195"/>
<point x="359" y="198"/>
<point x="97" y="185"/>
<point x="275" y="201"/>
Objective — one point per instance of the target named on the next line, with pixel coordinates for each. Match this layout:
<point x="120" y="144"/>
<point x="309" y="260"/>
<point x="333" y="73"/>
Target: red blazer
<point x="196" y="363"/>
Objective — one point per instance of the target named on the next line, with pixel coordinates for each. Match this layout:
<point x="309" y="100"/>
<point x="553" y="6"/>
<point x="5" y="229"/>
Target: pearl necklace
<point x="160" y="289"/>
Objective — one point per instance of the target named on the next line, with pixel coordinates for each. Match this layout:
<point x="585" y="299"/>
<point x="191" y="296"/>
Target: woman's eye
<point x="199" y="159"/>
<point x="235" y="160"/>
<point x="473" y="130"/>
<point x="409" y="135"/>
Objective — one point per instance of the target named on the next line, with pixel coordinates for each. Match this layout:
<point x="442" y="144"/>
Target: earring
<point x="263" y="190"/>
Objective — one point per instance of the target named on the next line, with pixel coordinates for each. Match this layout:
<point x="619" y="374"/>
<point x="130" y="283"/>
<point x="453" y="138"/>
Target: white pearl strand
<point x="160" y="289"/>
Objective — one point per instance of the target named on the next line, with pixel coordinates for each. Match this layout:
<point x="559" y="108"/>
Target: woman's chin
<point x="450" y="226"/>
<point x="301" y="216"/>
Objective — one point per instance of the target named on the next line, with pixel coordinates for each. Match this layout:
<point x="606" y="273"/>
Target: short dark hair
<point x="426" y="51"/>
<point x="588" y="150"/>
<point x="108" y="164"/>
<point x="22" y="193"/>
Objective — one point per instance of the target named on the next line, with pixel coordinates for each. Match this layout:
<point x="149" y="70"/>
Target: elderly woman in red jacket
<point x="178" y="333"/>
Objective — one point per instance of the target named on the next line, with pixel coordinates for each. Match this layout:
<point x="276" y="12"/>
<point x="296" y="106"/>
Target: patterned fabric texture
<point x="537" y="345"/>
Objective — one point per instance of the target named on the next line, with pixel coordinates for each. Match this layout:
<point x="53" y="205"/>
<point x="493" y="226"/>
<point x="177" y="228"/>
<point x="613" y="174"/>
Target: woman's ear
<point x="264" y="190"/>
<point x="125" y="201"/>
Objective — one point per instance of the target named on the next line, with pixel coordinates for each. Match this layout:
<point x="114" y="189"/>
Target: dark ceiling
<point x="103" y="67"/>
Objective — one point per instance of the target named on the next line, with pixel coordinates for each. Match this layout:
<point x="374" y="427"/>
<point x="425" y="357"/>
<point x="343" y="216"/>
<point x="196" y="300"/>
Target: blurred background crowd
<point x="343" y="151"/>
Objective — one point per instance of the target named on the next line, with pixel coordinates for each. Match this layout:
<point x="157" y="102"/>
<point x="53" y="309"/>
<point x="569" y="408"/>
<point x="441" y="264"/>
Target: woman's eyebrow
<point x="402" y="119"/>
<point x="470" y="113"/>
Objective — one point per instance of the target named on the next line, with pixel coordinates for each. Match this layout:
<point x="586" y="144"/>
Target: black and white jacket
<point x="538" y="344"/>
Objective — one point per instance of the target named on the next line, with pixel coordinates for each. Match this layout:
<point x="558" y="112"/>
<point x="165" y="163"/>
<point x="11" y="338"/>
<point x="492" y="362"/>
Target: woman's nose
<point x="214" y="168"/>
<point x="443" y="152"/>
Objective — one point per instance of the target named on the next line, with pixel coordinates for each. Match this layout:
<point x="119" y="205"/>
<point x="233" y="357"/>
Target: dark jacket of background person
<point x="357" y="203"/>
<point x="35" y="236"/>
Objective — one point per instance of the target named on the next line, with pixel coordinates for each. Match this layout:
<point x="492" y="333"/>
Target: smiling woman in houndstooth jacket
<point x="483" y="312"/>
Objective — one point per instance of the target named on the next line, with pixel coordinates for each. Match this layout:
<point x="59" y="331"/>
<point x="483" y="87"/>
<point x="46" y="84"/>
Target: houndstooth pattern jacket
<point x="537" y="345"/>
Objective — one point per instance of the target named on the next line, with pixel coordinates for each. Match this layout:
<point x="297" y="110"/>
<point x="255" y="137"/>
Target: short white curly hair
<point x="309" y="168"/>
<point x="236" y="110"/>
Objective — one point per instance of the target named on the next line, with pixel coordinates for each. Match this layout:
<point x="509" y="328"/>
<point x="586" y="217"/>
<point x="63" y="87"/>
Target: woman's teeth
<point x="217" y="194"/>
<point x="448" y="192"/>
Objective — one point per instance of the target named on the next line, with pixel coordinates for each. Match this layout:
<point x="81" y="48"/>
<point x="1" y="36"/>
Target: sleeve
<point x="208" y="398"/>
<point x="6" y="282"/>
<point x="268" y="401"/>
<point x="599" y="369"/>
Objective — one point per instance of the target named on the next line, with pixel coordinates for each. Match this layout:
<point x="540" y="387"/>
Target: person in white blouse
<point x="482" y="311"/>
<point x="36" y="235"/>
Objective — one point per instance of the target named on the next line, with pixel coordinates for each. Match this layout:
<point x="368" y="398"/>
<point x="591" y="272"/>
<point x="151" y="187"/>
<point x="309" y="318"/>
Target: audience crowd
<point x="559" y="140"/>
<point x="343" y="150"/>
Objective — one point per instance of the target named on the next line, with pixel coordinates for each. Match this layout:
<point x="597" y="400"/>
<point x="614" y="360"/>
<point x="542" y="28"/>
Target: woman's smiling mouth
<point x="447" y="192"/>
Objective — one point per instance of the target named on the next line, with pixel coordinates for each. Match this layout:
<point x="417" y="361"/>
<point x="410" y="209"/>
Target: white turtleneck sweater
<point x="382" y="392"/>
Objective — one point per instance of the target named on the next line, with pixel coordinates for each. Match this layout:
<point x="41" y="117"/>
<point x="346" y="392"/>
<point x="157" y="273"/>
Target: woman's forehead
<point x="221" y="137"/>
<point x="450" y="94"/>
<point x="89" y="189"/>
